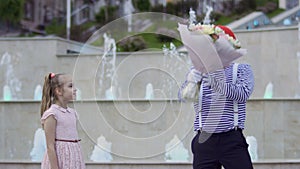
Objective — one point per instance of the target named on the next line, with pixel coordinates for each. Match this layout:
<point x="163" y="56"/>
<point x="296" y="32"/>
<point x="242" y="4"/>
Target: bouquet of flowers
<point x="216" y="32"/>
<point x="210" y="47"/>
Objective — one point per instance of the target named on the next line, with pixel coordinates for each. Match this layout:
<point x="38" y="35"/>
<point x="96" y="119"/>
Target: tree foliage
<point x="103" y="18"/>
<point x="246" y="5"/>
<point x="142" y="5"/>
<point x="11" y="10"/>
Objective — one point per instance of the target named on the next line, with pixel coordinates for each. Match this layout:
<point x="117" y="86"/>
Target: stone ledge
<point x="261" y="164"/>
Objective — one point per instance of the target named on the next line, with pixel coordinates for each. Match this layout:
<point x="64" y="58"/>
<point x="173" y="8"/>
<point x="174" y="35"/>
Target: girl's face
<point x="68" y="91"/>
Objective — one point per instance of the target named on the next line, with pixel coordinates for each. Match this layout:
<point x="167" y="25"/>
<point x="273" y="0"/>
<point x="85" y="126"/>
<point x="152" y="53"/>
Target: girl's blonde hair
<point x="50" y="84"/>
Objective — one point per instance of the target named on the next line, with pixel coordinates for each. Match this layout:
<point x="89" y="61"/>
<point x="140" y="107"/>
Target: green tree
<point x="252" y="4"/>
<point x="102" y="17"/>
<point x="246" y="5"/>
<point x="11" y="11"/>
<point x="142" y="5"/>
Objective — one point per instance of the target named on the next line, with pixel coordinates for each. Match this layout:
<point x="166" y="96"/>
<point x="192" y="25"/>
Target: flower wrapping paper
<point x="205" y="54"/>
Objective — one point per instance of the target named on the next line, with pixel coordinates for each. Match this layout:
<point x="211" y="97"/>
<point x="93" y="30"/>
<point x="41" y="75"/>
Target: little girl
<point x="59" y="123"/>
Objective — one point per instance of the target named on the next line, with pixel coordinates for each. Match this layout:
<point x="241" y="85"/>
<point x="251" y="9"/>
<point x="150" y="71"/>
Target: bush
<point x="245" y="5"/>
<point x="172" y="9"/>
<point x="271" y="6"/>
<point x="165" y="35"/>
<point x="76" y="33"/>
<point x="142" y="5"/>
<point x="133" y="43"/>
<point x="157" y="8"/>
<point x="56" y="27"/>
<point x="268" y="7"/>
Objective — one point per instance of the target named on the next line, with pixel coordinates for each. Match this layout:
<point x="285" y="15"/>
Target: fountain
<point x="6" y="93"/>
<point x="101" y="152"/>
<point x="175" y="151"/>
<point x="173" y="50"/>
<point x="38" y="93"/>
<point x="297" y="95"/>
<point x="192" y="15"/>
<point x="251" y="140"/>
<point x="108" y="66"/>
<point x="171" y="53"/>
<point x="298" y="28"/>
<point x="149" y="92"/>
<point x="39" y="146"/>
<point x="109" y="94"/>
<point x="206" y="19"/>
<point x="12" y="88"/>
<point x="78" y="94"/>
<point x="269" y="91"/>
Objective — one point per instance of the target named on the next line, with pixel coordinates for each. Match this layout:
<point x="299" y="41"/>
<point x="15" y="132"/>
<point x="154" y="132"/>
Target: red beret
<point x="227" y="30"/>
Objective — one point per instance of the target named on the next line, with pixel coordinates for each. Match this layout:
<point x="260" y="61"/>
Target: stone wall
<point x="272" y="53"/>
<point x="140" y="130"/>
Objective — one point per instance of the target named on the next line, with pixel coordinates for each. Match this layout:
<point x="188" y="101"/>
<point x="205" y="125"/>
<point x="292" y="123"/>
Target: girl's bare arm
<point x="50" y="128"/>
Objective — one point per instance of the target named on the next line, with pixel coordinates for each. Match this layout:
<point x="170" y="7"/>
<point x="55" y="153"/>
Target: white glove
<point x="207" y="80"/>
<point x="194" y="76"/>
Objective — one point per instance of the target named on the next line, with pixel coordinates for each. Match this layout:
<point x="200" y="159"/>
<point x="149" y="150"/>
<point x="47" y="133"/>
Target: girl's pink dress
<point x="69" y="154"/>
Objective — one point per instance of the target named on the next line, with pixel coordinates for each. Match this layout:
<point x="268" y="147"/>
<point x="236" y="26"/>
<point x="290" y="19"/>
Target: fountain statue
<point x="207" y="19"/>
<point x="108" y="68"/>
<point x="101" y="152"/>
<point x="192" y="18"/>
<point x="109" y="44"/>
<point x="128" y="9"/>
<point x="175" y="151"/>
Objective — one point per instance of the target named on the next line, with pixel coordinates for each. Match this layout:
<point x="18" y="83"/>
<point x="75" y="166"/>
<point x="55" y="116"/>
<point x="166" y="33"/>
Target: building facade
<point x="288" y="4"/>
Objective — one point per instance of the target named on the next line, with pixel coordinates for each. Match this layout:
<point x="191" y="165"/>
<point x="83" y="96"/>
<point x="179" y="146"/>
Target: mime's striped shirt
<point x="217" y="99"/>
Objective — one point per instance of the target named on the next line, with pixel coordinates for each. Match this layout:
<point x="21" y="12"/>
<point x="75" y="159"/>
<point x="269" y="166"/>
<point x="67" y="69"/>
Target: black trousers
<point x="228" y="149"/>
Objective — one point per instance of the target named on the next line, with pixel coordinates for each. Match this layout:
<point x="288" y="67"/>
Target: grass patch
<point x="153" y="42"/>
<point x="151" y="39"/>
<point x="56" y="28"/>
<point x="224" y="20"/>
<point x="88" y="25"/>
<point x="263" y="2"/>
<point x="274" y="13"/>
<point x="98" y="43"/>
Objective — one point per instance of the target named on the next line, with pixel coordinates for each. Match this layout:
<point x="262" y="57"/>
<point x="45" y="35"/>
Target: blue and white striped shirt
<point x="217" y="99"/>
